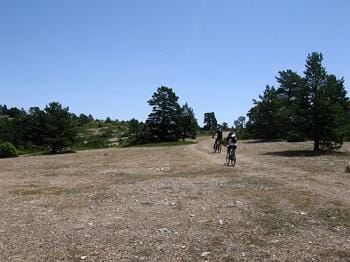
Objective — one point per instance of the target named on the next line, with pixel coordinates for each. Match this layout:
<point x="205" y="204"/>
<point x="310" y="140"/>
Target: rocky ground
<point x="280" y="202"/>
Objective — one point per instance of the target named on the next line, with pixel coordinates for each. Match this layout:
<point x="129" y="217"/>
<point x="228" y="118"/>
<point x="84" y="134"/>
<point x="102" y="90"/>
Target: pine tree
<point x="187" y="123"/>
<point x="162" y="122"/>
<point x="210" y="121"/>
<point x="60" y="129"/>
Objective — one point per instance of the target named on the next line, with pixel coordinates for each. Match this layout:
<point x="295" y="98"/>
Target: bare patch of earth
<point x="280" y="202"/>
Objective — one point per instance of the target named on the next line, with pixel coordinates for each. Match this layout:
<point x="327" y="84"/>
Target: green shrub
<point x="7" y="150"/>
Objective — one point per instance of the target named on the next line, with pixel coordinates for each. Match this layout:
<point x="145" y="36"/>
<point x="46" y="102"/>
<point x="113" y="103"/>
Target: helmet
<point x="230" y="134"/>
<point x="233" y="135"/>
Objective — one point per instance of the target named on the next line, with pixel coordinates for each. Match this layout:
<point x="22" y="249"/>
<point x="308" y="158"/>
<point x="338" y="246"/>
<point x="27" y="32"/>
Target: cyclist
<point x="218" y="134"/>
<point x="231" y="142"/>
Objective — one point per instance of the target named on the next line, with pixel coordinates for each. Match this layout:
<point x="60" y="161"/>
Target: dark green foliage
<point x="7" y="150"/>
<point x="137" y="133"/>
<point x="168" y="122"/>
<point x="224" y="126"/>
<point x="240" y="128"/>
<point x="187" y="123"/>
<point x="60" y="129"/>
<point x="314" y="107"/>
<point x="83" y="119"/>
<point x="210" y="121"/>
<point x="328" y="105"/>
<point x="265" y="115"/>
<point x="162" y="122"/>
<point x="36" y="126"/>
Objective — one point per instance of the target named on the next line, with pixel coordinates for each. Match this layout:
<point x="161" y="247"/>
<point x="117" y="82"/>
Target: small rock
<point x="221" y="222"/>
<point x="310" y="242"/>
<point x="243" y="254"/>
<point x="205" y="254"/>
<point x="164" y="230"/>
<point x="192" y="215"/>
<point x="183" y="247"/>
<point x="303" y="213"/>
<point x="83" y="257"/>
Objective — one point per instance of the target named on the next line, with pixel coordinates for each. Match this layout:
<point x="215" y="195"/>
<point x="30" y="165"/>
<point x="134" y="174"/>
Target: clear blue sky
<point x="107" y="57"/>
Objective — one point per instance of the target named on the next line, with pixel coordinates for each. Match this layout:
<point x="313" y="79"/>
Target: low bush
<point x="7" y="150"/>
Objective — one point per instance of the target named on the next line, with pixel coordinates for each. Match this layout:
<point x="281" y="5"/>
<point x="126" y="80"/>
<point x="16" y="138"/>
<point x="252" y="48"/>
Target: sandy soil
<point x="177" y="204"/>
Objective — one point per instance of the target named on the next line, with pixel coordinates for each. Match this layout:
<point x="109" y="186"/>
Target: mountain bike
<point x="217" y="146"/>
<point x="231" y="156"/>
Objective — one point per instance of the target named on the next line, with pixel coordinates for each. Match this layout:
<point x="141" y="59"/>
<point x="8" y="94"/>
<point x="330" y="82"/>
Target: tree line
<point x="52" y="128"/>
<point x="55" y="128"/>
<point x="314" y="106"/>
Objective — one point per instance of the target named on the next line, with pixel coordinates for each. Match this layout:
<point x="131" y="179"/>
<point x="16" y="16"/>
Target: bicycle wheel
<point x="219" y="148"/>
<point x="234" y="159"/>
<point x="228" y="159"/>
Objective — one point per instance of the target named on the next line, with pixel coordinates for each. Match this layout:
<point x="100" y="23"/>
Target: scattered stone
<point x="192" y="215"/>
<point x="183" y="247"/>
<point x="221" y="222"/>
<point x="243" y="254"/>
<point x="274" y="241"/>
<point x="83" y="257"/>
<point x="164" y="230"/>
<point x="205" y="254"/>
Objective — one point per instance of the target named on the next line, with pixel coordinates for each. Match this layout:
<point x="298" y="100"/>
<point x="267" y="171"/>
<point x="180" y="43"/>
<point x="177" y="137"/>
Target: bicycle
<point x="231" y="156"/>
<point x="217" y="146"/>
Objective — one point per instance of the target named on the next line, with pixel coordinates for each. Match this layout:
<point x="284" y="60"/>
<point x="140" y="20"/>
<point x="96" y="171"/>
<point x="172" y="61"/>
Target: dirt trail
<point x="177" y="204"/>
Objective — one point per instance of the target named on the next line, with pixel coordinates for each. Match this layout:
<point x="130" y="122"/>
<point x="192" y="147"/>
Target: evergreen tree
<point x="162" y="122"/>
<point x="187" y="123"/>
<point x="294" y="105"/>
<point x="315" y="81"/>
<point x="210" y="121"/>
<point x="224" y="126"/>
<point x="333" y="116"/>
<point x="36" y="126"/>
<point x="264" y="116"/>
<point x="60" y="129"/>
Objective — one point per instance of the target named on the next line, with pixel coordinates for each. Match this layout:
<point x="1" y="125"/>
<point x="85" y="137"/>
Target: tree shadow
<point x="263" y="141"/>
<point x="305" y="153"/>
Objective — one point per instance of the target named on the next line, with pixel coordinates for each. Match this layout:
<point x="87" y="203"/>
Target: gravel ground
<point x="280" y="202"/>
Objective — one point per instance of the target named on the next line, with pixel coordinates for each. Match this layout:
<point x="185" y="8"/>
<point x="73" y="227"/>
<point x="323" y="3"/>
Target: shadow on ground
<point x="305" y="153"/>
<point x="263" y="141"/>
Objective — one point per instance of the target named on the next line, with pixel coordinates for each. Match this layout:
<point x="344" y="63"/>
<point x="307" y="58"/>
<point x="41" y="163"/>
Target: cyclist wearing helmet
<point x="231" y="141"/>
<point x="218" y="134"/>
